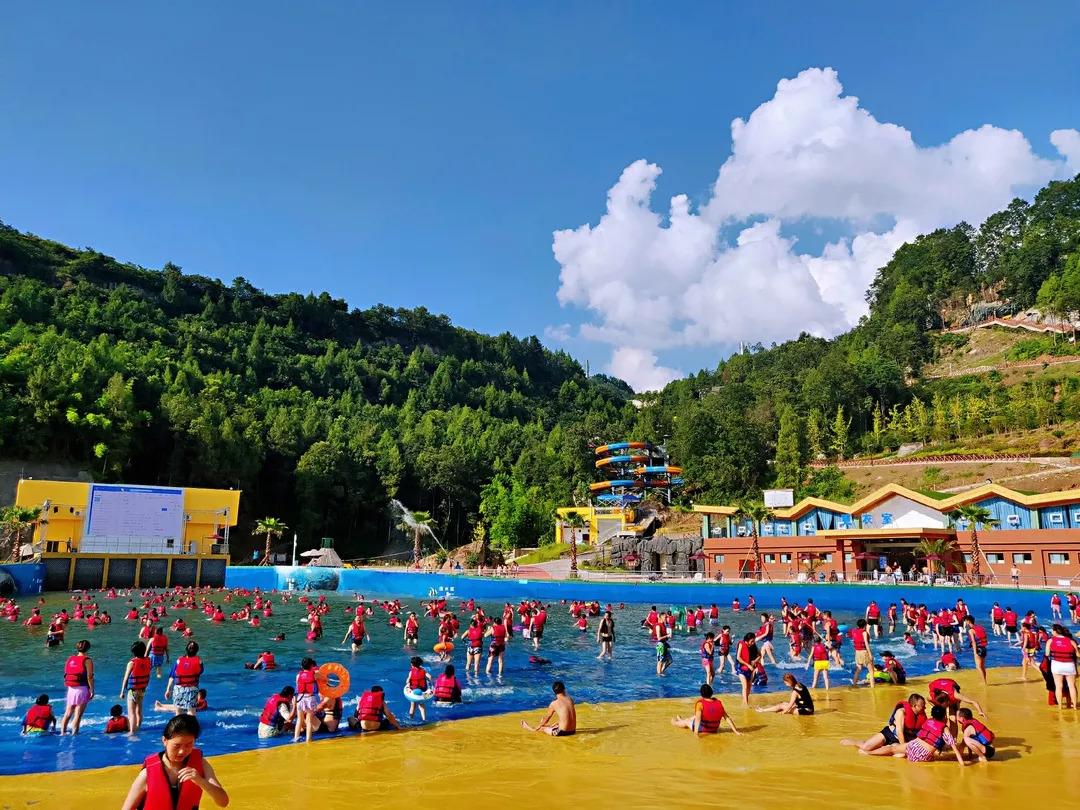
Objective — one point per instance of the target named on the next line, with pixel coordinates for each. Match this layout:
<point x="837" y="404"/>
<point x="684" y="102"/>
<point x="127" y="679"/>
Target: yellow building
<point x="139" y="536"/>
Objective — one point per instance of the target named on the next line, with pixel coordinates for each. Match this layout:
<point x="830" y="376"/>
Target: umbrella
<point x="933" y="557"/>
<point x="698" y="556"/>
<point x="315" y="552"/>
<point x="809" y="555"/>
<point x="866" y="555"/>
<point x="214" y="536"/>
<point x="631" y="557"/>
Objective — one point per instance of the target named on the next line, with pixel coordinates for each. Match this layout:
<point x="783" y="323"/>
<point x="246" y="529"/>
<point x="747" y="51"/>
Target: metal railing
<point x="994" y="581"/>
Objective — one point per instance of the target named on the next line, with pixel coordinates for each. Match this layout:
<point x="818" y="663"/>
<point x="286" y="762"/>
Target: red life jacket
<point x="271" y="715"/>
<point x="188" y="670"/>
<point x="725" y="643"/>
<point x="140" y="673"/>
<point x="858" y="638"/>
<point x="418" y="678"/>
<point x="948" y="686"/>
<point x="819" y="653"/>
<point x="742" y="653"/>
<point x="371" y="706"/>
<point x="708" y="654"/>
<point x="1062" y="649"/>
<point x="979" y="632"/>
<point x="39" y="717"/>
<point x="986" y="733"/>
<point x="712" y="712"/>
<point x="947" y="659"/>
<point x="873" y="612"/>
<point x="117" y="725"/>
<point x="159" y="644"/>
<point x="158" y="793"/>
<point x="1055" y="600"/>
<point x="498" y="633"/>
<point x="477" y="633"/>
<point x="444" y="687"/>
<point x="268" y="661"/>
<point x="997" y="614"/>
<point x="75" y="671"/>
<point x="912" y="722"/>
<point x="1010" y="618"/>
<point x="933" y="734"/>
<point x="714" y="612"/>
<point x="305" y="682"/>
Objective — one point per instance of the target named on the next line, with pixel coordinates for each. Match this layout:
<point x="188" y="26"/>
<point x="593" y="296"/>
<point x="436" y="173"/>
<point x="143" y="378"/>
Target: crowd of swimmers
<point x="918" y="728"/>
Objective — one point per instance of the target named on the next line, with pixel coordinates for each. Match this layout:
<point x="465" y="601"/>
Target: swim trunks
<point x="560" y="733"/>
<point x="889" y="735"/>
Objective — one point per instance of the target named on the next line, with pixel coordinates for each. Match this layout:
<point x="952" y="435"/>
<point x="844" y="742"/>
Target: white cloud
<point x="558" y="334"/>
<point x="641" y="366"/>
<point x="657" y="282"/>
<point x="1067" y="141"/>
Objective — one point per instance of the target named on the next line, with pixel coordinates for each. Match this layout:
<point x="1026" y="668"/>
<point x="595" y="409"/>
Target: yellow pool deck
<point x="629" y="756"/>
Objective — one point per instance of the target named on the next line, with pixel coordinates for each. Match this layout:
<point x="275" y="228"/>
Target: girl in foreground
<point x="178" y="776"/>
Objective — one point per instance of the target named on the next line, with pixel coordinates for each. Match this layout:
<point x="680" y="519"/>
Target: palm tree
<point x="272" y="527"/>
<point x="417" y="522"/>
<point x="756" y="513"/>
<point x="15" y="520"/>
<point x="975" y="516"/>
<point x="942" y="549"/>
<point x="574" y="521"/>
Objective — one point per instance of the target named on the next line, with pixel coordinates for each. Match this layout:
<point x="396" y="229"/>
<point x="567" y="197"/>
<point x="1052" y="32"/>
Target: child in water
<point x="118" y="724"/>
<point x="418" y="679"/>
<point x="182" y="764"/>
<point x="40" y="718"/>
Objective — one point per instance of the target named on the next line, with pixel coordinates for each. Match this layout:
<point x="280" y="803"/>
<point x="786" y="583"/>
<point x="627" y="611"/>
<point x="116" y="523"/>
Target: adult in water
<point x="800" y="701"/>
<point x="563" y="710"/>
<point x="605" y="636"/>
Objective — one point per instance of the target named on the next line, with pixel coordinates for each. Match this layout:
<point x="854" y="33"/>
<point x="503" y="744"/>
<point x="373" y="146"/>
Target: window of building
<point x="1059" y="559"/>
<point x="967" y="557"/>
<point x="770" y="558"/>
<point x="827" y="557"/>
<point x="785" y="558"/>
<point x="1024" y="559"/>
<point x="718" y="558"/>
<point x="992" y="558"/>
<point x="170" y="542"/>
<point x="848" y="556"/>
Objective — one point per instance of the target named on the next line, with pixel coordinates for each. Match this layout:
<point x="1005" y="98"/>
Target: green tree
<point x="975" y="516"/>
<point x="840" y="427"/>
<point x="939" y="550"/>
<point x="418" y="523"/>
<point x="15" y="521"/>
<point x="273" y="528"/>
<point x="789" y="457"/>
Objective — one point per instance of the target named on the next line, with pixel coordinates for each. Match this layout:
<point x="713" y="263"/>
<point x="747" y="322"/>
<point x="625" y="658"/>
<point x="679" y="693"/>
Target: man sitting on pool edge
<point x="563" y="707"/>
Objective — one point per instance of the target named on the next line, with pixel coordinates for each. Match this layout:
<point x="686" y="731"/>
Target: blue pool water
<point x="236" y="695"/>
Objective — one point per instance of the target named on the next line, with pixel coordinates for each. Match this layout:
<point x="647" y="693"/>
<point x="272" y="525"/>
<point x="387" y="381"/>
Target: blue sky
<point x="424" y="153"/>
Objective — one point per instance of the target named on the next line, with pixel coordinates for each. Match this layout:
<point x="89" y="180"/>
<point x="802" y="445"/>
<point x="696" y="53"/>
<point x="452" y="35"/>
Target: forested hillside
<point x="322" y="414"/>
<point x="319" y="413"/>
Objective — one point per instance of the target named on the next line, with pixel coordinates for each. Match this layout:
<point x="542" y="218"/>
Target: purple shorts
<point x="78" y="695"/>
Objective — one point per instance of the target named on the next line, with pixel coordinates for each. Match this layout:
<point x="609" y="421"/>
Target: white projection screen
<point x="124" y="517"/>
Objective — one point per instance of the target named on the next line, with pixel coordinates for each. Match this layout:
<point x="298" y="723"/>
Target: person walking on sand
<point x="563" y="709"/>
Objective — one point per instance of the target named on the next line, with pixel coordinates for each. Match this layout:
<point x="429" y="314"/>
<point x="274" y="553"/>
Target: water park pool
<point x="236" y="695"/>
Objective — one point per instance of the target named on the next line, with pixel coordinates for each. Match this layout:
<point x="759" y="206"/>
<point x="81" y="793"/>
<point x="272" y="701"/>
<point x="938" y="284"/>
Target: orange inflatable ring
<point x="328" y="671"/>
<point x="443" y="646"/>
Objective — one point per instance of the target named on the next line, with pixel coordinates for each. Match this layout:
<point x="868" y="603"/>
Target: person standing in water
<point x="605" y="636"/>
<point x="136" y="679"/>
<point x="79" y="680"/>
<point x="563" y="710"/>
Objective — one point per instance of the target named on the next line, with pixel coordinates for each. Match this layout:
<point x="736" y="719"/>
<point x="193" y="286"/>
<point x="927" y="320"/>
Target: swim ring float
<point x="336" y="671"/>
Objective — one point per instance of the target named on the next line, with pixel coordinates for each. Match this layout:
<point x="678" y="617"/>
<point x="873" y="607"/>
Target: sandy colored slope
<point x="628" y="756"/>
